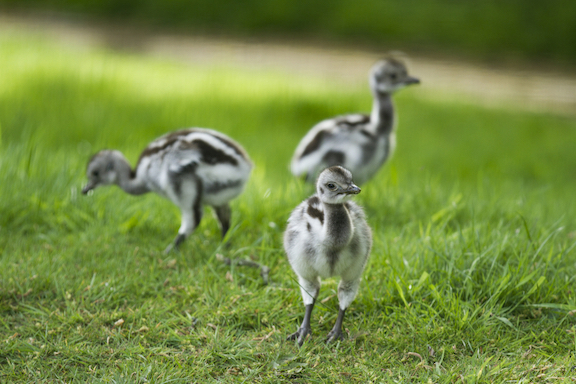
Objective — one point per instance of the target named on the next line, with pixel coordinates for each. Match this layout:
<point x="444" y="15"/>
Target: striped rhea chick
<point x="361" y="143"/>
<point x="327" y="235"/>
<point x="190" y="167"/>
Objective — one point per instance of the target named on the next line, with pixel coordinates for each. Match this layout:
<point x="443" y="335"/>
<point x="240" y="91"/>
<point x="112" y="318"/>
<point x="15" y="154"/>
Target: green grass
<point x="472" y="267"/>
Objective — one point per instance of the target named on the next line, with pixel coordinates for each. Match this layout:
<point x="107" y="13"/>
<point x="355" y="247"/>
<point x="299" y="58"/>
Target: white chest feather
<point x="314" y="252"/>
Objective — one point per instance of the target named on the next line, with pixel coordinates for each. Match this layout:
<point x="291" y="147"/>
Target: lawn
<point x="471" y="276"/>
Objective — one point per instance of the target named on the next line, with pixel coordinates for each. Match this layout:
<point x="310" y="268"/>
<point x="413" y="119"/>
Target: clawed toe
<point x="299" y="335"/>
<point x="293" y="336"/>
<point x="174" y="246"/>
<point x="170" y="249"/>
<point x="334" y="335"/>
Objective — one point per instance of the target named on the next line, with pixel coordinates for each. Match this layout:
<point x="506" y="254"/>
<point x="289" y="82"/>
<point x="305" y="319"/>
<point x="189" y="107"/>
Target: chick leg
<point x="336" y="332"/>
<point x="191" y="207"/>
<point x="309" y="289"/>
<point x="190" y="220"/>
<point x="305" y="328"/>
<point x="223" y="213"/>
<point x="346" y="293"/>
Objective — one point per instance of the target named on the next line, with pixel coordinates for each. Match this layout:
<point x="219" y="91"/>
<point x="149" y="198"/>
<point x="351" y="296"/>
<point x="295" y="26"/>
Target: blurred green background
<point x="490" y="30"/>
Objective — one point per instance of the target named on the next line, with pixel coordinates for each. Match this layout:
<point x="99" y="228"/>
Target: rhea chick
<point x="190" y="167"/>
<point x="327" y="235"/>
<point x="361" y="143"/>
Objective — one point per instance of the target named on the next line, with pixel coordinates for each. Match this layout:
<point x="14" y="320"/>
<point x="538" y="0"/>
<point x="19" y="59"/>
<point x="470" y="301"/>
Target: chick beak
<point x="90" y="186"/>
<point x="353" y="189"/>
<point x="411" y="80"/>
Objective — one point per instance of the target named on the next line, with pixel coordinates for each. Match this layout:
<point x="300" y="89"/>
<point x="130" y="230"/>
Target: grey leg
<point x="223" y="213"/>
<point x="190" y="205"/>
<point x="336" y="332"/>
<point x="304" y="329"/>
<point x="190" y="220"/>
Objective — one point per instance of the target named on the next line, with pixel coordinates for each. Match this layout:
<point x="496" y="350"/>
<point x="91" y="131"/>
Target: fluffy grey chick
<point x="190" y="167"/>
<point x="361" y="143"/>
<point x="327" y="235"/>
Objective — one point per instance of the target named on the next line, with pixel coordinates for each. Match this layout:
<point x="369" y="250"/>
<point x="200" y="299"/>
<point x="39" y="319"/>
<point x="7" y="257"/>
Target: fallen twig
<point x="416" y="355"/>
<point x="263" y="338"/>
<point x="264" y="270"/>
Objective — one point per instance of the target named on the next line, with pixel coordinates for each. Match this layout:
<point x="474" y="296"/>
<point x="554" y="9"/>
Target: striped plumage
<point x="327" y="235"/>
<point x="361" y="143"/>
<point x="191" y="167"/>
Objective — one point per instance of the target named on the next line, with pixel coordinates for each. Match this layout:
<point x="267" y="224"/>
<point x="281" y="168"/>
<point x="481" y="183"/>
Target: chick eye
<point x="331" y="186"/>
<point x="95" y="173"/>
<point x="393" y="76"/>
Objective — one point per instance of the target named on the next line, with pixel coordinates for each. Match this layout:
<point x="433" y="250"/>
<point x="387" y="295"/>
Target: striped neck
<point x="382" y="116"/>
<point x="338" y="225"/>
